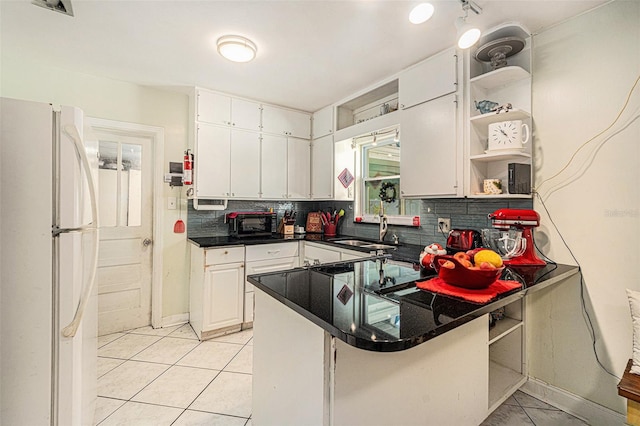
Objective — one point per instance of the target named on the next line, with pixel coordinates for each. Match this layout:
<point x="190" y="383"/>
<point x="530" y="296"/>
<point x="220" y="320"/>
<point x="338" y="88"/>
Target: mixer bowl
<point x="508" y="243"/>
<point x="460" y="276"/>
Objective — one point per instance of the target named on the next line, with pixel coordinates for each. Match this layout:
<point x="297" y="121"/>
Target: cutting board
<point x="314" y="222"/>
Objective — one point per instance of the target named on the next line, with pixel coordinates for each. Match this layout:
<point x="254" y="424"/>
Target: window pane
<point x="131" y="188"/>
<point x="108" y="183"/>
<point x="382" y="160"/>
<point x="372" y="196"/>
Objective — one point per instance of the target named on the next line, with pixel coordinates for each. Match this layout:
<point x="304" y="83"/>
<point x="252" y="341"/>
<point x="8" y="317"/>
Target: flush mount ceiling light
<point x="236" y="48"/>
<point x="467" y="34"/>
<point x="421" y="13"/>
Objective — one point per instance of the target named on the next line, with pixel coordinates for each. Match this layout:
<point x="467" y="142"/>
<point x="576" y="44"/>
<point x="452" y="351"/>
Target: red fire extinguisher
<point x="187" y="177"/>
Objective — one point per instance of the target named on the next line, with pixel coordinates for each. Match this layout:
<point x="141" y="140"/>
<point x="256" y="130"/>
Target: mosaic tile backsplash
<point x="464" y="213"/>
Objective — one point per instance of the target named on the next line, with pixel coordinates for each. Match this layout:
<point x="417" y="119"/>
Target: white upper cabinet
<point x="245" y="114"/>
<point x="286" y="122"/>
<point x="212" y="166"/>
<point x="245" y="164"/>
<point x="273" y="169"/>
<point x="298" y="168"/>
<point x="323" y="122"/>
<point x="429" y="154"/>
<point x="213" y="108"/>
<point x="322" y="168"/>
<point x="224" y="110"/>
<point x="430" y="79"/>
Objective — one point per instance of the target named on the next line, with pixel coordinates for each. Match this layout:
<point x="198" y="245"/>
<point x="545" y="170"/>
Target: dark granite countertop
<point x="337" y="298"/>
<point x="404" y="252"/>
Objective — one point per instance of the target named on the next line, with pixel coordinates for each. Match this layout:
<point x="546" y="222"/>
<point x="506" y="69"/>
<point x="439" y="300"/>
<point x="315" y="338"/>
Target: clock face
<point x="505" y="134"/>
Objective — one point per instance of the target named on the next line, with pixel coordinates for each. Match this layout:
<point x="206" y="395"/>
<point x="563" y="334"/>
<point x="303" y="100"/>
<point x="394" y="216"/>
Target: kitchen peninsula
<point x="331" y="348"/>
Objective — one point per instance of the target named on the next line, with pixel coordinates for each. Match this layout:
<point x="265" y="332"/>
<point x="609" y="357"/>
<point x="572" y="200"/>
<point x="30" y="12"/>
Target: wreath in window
<point x="388" y="192"/>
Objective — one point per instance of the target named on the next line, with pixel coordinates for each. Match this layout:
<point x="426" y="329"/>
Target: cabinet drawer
<point x="271" y="251"/>
<point x="224" y="255"/>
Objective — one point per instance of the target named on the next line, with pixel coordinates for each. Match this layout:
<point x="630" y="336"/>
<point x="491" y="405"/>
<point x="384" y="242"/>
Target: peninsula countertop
<point x="337" y="298"/>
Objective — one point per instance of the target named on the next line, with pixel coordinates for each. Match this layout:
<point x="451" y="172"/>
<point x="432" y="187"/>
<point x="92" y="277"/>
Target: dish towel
<point x="437" y="285"/>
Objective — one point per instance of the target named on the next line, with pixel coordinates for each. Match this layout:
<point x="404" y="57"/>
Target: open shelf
<point x="502" y="328"/>
<point x="500" y="77"/>
<point x="503" y="382"/>
<point x="492" y="117"/>
<point x="493" y="156"/>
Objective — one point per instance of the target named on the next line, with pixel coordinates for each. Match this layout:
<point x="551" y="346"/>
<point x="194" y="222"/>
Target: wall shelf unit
<point x="510" y="84"/>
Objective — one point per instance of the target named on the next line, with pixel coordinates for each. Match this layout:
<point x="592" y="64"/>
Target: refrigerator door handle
<point x="71" y="329"/>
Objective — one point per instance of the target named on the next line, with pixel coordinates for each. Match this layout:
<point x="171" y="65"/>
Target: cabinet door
<point x="223" y="296"/>
<point x="344" y="158"/>
<point x="322" y="168"/>
<point x="321" y="254"/>
<point x="245" y="114"/>
<point x="323" y="122"/>
<point x="245" y="164"/>
<point x="212" y="169"/>
<point x="213" y="108"/>
<point x="298" y="164"/>
<point x="435" y="77"/>
<point x="271" y="265"/>
<point x="273" y="169"/>
<point x="286" y="122"/>
<point x="428" y="156"/>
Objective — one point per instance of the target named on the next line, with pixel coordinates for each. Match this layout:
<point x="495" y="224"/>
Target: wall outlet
<point x="444" y="224"/>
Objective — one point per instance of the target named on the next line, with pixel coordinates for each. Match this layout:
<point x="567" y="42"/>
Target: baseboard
<point x="175" y="320"/>
<point x="590" y="412"/>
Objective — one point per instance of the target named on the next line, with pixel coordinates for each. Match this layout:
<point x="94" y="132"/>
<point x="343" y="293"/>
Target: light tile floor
<point x="168" y="377"/>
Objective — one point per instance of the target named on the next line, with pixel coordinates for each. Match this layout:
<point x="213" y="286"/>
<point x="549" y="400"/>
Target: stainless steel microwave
<point x="251" y="224"/>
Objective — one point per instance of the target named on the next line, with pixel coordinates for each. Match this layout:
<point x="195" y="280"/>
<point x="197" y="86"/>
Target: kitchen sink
<point x="356" y="243"/>
<point x="379" y="246"/>
<point x="365" y="244"/>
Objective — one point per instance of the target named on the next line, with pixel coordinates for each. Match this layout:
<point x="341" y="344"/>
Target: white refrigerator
<point x="48" y="251"/>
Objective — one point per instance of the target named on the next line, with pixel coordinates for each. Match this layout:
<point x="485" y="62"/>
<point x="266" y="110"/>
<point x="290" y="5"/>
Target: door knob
<point x="146" y="242"/>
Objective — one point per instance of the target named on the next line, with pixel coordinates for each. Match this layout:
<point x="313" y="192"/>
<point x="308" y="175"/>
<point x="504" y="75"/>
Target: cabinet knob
<point x="226" y="252"/>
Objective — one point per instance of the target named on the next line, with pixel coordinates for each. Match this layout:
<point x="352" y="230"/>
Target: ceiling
<point x="310" y="53"/>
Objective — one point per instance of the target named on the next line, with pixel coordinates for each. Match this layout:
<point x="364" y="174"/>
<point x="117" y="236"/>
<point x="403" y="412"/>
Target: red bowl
<point x="460" y="276"/>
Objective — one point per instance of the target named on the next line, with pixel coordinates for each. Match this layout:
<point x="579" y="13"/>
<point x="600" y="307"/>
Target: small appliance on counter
<point x="513" y="236"/>
<point x="251" y="224"/>
<point x="463" y="240"/>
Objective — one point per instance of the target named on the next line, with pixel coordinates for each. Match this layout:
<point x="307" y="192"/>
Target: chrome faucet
<point x="383" y="222"/>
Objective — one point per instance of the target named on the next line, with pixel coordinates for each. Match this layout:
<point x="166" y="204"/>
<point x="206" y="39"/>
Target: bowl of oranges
<point x="475" y="269"/>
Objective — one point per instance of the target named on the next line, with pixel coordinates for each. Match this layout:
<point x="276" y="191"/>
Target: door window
<point x="120" y="183"/>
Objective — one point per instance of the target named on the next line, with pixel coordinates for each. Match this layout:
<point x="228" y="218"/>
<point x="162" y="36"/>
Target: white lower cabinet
<point x="314" y="253"/>
<point x="262" y="259"/>
<point x="216" y="301"/>
<point x="223" y="296"/>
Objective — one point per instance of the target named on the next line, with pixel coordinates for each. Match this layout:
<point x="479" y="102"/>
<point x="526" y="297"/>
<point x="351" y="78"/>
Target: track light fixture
<point x="467" y="34"/>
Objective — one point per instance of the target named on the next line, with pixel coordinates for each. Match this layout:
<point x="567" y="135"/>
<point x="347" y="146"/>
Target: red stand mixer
<point x="512" y="237"/>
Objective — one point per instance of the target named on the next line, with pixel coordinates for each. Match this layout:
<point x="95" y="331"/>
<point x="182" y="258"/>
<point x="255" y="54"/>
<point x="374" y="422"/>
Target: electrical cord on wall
<point x="585" y="312"/>
<point x="624" y="107"/>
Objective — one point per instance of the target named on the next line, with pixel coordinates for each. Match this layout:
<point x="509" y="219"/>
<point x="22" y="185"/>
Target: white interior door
<point x="124" y="273"/>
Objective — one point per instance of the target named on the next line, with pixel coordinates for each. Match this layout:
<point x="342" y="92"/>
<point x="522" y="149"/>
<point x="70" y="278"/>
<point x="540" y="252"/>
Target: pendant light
<point x="466" y="33"/>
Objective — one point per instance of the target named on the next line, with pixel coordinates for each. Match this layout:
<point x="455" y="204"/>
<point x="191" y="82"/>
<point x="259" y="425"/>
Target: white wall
<point x="582" y="73"/>
<point x="115" y="100"/>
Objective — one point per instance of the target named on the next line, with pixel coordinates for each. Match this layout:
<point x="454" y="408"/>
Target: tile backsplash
<point x="464" y="213"/>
